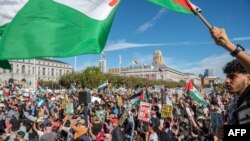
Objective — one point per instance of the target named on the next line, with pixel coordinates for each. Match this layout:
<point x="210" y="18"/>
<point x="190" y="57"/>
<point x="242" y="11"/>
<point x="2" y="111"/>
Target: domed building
<point x="157" y="71"/>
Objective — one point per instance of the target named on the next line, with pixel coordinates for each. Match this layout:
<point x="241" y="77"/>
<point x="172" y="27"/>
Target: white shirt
<point x="153" y="137"/>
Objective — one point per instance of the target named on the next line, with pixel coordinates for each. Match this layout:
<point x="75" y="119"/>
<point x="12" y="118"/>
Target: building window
<point x="4" y="70"/>
<point x="17" y="68"/>
<point x="11" y="70"/>
<point x="23" y="69"/>
<point x="33" y="70"/>
<point x="43" y="71"/>
<point x="52" y="72"/>
<point x="60" y="72"/>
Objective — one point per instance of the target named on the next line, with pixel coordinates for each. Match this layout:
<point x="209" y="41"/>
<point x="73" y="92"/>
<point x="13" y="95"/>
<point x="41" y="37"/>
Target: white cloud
<point x="241" y="39"/>
<point x="151" y="22"/>
<point x="214" y="62"/>
<point x="123" y="44"/>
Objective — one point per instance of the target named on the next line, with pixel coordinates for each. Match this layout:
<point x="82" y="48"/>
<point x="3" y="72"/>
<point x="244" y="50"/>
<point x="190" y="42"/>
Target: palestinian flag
<point x="182" y="6"/>
<point x="54" y="28"/>
<point x="194" y="93"/>
<point x="104" y="85"/>
<point x="135" y="61"/>
<point x="39" y="87"/>
<point x="137" y="97"/>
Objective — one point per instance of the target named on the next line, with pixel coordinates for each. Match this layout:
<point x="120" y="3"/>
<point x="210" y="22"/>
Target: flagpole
<point x="203" y="19"/>
<point x="119" y="64"/>
<point x="34" y="65"/>
<point x="75" y="63"/>
<point x="142" y="69"/>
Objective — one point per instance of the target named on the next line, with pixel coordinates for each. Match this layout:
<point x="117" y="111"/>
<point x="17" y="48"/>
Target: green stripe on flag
<point x="197" y="98"/>
<point x="44" y="28"/>
<point x="172" y="5"/>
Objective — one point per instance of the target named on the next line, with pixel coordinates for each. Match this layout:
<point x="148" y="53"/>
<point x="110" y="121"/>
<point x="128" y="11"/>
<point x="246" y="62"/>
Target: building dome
<point x="158" y="53"/>
<point x="157" y="58"/>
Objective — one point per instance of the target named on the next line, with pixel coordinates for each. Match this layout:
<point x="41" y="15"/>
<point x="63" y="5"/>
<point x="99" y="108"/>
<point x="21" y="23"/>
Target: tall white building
<point x="103" y="66"/>
<point x="157" y="58"/>
<point x="31" y="70"/>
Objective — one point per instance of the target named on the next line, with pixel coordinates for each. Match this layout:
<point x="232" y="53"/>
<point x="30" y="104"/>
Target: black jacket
<point x="117" y="134"/>
<point x="241" y="114"/>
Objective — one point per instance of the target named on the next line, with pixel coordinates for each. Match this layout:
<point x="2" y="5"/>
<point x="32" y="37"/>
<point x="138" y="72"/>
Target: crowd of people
<point x="45" y="117"/>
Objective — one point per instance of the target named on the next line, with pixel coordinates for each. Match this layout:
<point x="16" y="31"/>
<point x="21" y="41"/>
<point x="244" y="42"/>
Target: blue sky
<point x="141" y="27"/>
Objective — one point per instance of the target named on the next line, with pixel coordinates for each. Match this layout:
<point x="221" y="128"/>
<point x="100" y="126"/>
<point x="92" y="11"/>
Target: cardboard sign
<point x="166" y="111"/>
<point x="123" y="117"/>
<point x="144" y="112"/>
<point x="70" y="108"/>
<point x="64" y="103"/>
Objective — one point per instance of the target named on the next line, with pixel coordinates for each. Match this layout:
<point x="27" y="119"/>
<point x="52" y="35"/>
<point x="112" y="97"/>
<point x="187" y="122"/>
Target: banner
<point x="166" y="111"/>
<point x="123" y="117"/>
<point x="144" y="112"/>
<point x="70" y="108"/>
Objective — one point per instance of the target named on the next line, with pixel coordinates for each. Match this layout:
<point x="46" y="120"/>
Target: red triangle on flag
<point x="189" y="86"/>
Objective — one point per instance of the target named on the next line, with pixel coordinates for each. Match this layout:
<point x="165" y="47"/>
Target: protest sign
<point x="70" y="108"/>
<point x="144" y="112"/>
<point x="166" y="111"/>
<point x="64" y="103"/>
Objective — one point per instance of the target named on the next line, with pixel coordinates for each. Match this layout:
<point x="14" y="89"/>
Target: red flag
<point x="142" y="96"/>
<point x="7" y="92"/>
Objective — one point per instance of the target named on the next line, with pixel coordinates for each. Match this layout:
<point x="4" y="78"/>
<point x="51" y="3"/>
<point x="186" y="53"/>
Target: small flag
<point x="182" y="6"/>
<point x="194" y="93"/>
<point x="152" y="67"/>
<point x="39" y="87"/>
<point x="135" y="61"/>
<point x="144" y="65"/>
<point x="135" y="99"/>
<point x="103" y="85"/>
<point x="103" y="57"/>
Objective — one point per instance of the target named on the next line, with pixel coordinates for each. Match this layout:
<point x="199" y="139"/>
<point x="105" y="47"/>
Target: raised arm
<point x="221" y="38"/>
